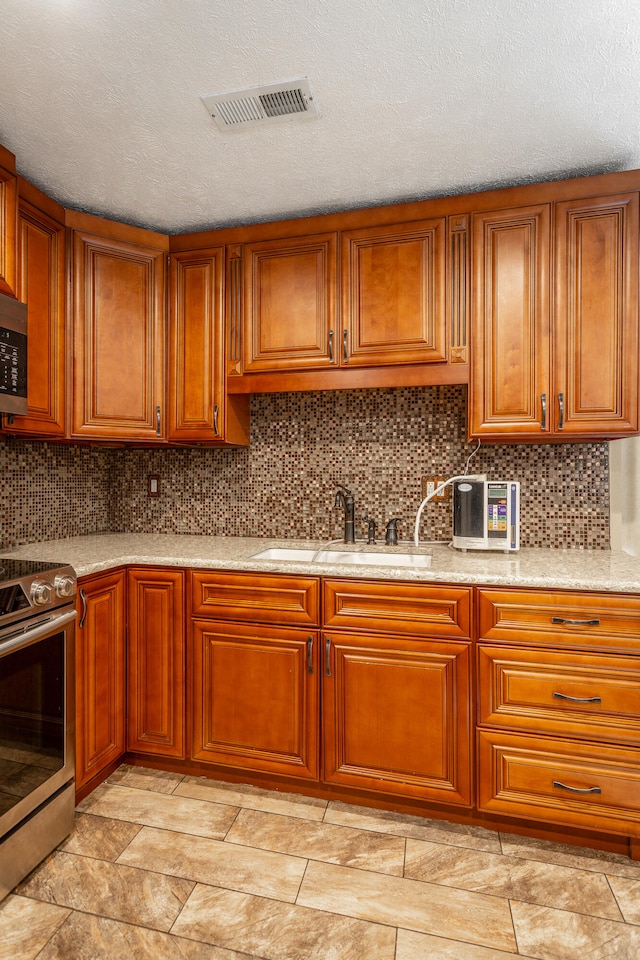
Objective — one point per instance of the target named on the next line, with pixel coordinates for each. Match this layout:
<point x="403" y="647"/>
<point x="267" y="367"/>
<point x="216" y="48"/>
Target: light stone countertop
<point x="598" y="570"/>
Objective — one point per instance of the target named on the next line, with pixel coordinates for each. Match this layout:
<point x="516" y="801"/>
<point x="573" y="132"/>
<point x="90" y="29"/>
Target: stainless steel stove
<point x="37" y="761"/>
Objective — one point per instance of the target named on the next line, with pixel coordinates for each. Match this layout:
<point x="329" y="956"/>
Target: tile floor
<point x="164" y="867"/>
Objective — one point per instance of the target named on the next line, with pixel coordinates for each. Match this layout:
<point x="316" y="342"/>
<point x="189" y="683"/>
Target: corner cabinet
<point x="118" y="312"/>
<point x="199" y="409"/>
<point x="100" y="675"/>
<point x="156" y="662"/>
<point x="559" y="365"/>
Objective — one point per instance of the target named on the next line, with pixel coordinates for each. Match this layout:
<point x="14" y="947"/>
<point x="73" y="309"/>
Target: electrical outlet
<point x="153" y="485"/>
<point x="429" y="484"/>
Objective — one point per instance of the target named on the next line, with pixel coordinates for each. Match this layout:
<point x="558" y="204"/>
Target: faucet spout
<point x="345" y="499"/>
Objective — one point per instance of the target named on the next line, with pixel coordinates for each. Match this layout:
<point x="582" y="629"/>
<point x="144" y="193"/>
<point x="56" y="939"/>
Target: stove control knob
<point x="41" y="592"/>
<point x="64" y="586"/>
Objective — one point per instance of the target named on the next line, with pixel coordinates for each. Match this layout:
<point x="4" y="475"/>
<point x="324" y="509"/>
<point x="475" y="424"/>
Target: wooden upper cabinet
<point x="41" y="285"/>
<point x="596" y="316"/>
<point x="8" y="223"/>
<point x="199" y="409"/>
<point x="119" y="334"/>
<point x="510" y="369"/>
<point x="563" y="366"/>
<point x="290" y="289"/>
<point x="393" y="294"/>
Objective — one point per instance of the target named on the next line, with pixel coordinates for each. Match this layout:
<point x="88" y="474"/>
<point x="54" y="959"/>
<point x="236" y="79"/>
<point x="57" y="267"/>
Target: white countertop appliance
<point x="486" y="514"/>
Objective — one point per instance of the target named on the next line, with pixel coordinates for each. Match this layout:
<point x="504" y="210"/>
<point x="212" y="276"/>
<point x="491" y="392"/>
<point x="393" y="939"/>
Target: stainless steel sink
<point x="354" y="557"/>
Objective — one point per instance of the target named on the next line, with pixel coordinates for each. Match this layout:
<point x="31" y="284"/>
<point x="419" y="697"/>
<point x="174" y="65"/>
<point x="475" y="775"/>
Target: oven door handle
<point x="26" y="635"/>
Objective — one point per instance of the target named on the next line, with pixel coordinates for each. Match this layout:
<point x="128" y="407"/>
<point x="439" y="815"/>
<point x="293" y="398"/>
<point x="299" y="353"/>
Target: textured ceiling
<point x="100" y="100"/>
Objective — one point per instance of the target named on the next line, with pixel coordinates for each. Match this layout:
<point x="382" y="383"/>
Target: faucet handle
<point x="391" y="535"/>
<point x="371" y="529"/>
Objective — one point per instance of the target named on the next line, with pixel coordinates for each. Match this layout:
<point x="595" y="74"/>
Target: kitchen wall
<point x="625" y="495"/>
<point x="377" y="442"/>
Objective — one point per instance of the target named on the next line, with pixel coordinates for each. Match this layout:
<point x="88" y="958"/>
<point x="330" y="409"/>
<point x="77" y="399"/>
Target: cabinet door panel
<point x="397" y="720"/>
<point x="8" y="231"/>
<point x="597" y="315"/>
<point x="118" y="339"/>
<point x="156" y="662"/>
<point x="41" y="287"/>
<point x="290" y="308"/>
<point x="100" y="675"/>
<point x="510" y="372"/>
<point x="394" y="286"/>
<point x="255" y="698"/>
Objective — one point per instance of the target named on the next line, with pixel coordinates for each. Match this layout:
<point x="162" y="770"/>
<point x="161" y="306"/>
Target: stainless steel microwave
<point x="13" y="355"/>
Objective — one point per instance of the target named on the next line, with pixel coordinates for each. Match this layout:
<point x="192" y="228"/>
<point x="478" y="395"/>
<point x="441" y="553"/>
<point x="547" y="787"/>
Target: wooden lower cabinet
<point x="397" y="716"/>
<point x="156" y="668"/>
<point x="100" y="674"/>
<point x="559" y="708"/>
<point x="571" y="783"/>
<point x="255" y="697"/>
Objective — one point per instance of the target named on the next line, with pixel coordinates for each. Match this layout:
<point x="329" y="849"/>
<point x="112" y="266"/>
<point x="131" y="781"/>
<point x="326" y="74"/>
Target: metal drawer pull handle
<point x="563" y="786"/>
<point x="330" y="346"/>
<point x="543" y="398"/>
<point x="561" y="406"/>
<point x="327" y="656"/>
<point x="345" y="346"/>
<point x="83" y="597"/>
<point x="158" y="422"/>
<point x="310" y="655"/>
<point x="564" y="696"/>
<point x="576" y="623"/>
<point x="215" y="421"/>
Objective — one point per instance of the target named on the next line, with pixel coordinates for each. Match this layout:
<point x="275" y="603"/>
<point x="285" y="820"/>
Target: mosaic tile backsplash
<point x="379" y="443"/>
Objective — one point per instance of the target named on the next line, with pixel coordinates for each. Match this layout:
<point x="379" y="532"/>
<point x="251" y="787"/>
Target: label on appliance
<point x="13" y="369"/>
<point x="497" y="511"/>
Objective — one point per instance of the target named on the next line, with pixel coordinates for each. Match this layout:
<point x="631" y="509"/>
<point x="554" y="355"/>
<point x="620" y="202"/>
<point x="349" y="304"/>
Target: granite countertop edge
<point x="589" y="570"/>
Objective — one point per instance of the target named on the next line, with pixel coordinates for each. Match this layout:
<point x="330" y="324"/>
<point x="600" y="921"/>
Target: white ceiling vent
<point x="258" y="106"/>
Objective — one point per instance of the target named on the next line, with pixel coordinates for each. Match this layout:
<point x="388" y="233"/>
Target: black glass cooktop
<point x="13" y="569"/>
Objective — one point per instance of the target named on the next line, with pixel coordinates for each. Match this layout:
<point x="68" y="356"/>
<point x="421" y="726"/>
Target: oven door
<point x="36" y="714"/>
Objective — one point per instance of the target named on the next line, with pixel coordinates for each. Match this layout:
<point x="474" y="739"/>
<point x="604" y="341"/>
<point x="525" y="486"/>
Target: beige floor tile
<point x="279" y="931"/>
<point x="253" y="798"/>
<point x="403" y="825"/>
<point x="99" y="837"/>
<point x="546" y="884"/>
<point x="420" y="946"/>
<point x="159" y="810"/>
<point x="144" y="778"/>
<point x="85" y="937"/>
<point x="549" y="934"/>
<point x="627" y="893"/>
<point x="425" y="907"/>
<point x="584" y="858"/>
<point x="26" y="926"/>
<point x="108" y="889"/>
<point x="220" y="864"/>
<point x="319" y="841"/>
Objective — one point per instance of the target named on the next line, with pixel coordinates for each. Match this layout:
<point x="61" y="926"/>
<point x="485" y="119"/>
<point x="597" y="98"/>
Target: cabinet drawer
<point x="249" y="597"/>
<point x="595" y="621"/>
<point x="420" y="610"/>
<point x="560" y="781"/>
<point x="572" y="694"/>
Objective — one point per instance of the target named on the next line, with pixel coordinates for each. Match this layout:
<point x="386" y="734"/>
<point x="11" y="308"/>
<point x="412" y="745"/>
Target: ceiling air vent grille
<point x="258" y="106"/>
